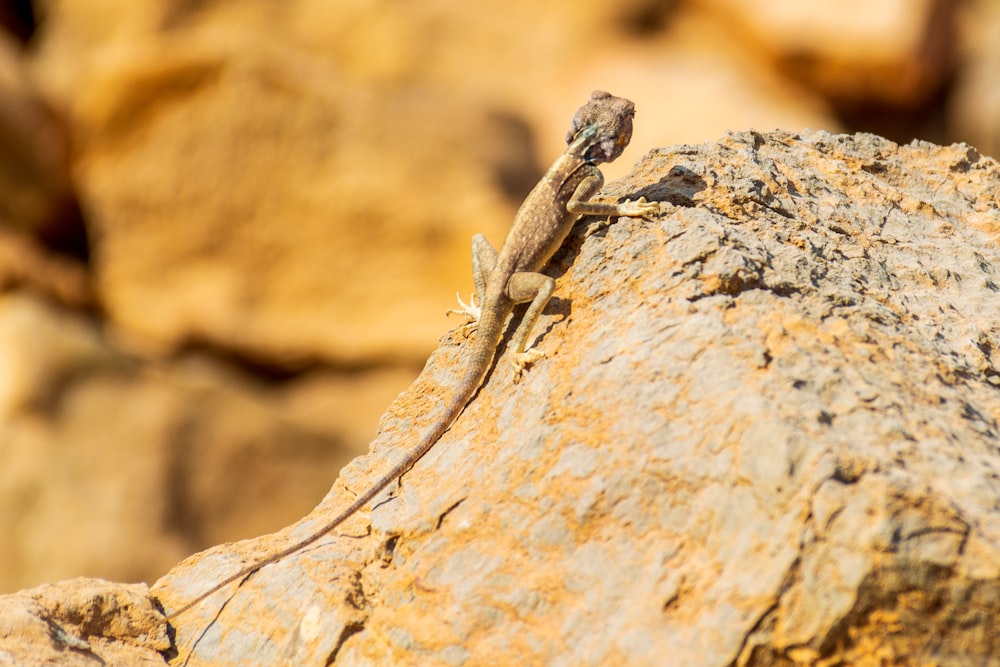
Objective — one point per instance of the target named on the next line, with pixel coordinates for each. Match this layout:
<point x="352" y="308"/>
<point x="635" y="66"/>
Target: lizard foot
<point x="524" y="359"/>
<point x="638" y="208"/>
<point x="472" y="310"/>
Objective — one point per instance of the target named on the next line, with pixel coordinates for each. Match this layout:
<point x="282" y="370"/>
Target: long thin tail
<point x="458" y="402"/>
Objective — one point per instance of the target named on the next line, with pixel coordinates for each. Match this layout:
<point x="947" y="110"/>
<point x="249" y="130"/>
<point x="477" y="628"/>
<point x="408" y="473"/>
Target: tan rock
<point x="117" y="468"/>
<point x="43" y="349"/>
<point x="766" y="433"/>
<point x="223" y="224"/>
<point x="246" y="223"/>
<point x="82" y="622"/>
<point x="26" y="265"/>
<point x="894" y="52"/>
<point x="692" y="85"/>
<point x="252" y="239"/>
<point x="974" y="110"/>
<point x="35" y="191"/>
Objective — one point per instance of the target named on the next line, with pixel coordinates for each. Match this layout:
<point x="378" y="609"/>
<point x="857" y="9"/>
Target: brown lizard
<point x="600" y="131"/>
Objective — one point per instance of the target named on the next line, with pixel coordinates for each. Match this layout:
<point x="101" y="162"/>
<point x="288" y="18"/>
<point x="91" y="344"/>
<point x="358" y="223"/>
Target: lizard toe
<point x="472" y="310"/>
<point x="522" y="360"/>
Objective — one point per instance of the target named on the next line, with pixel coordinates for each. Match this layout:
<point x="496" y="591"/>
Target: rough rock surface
<point x="228" y="153"/>
<point x="294" y="234"/>
<point x="766" y="433"/>
<point x="82" y="622"/>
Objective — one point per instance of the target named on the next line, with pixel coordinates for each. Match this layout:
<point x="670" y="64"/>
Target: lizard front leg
<point x="580" y="204"/>
<point x="633" y="208"/>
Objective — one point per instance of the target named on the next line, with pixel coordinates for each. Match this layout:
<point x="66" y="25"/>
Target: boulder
<point x="766" y="433"/>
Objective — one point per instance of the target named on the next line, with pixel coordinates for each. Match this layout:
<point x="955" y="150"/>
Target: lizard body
<point x="600" y="131"/>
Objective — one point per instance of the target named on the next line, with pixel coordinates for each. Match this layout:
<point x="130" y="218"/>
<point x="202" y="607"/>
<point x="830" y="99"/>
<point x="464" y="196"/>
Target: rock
<point x="974" y="109"/>
<point x="253" y="327"/>
<point x="883" y="52"/>
<point x="26" y="265"/>
<point x="82" y="622"/>
<point x="282" y="231"/>
<point x="42" y="349"/>
<point x="116" y="468"/>
<point x="261" y="255"/>
<point x="725" y="86"/>
<point x="766" y="433"/>
<point x="35" y="192"/>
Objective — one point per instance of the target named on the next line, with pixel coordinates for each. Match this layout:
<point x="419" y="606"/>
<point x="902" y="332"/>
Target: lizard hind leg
<point x="536" y="288"/>
<point x="484" y="258"/>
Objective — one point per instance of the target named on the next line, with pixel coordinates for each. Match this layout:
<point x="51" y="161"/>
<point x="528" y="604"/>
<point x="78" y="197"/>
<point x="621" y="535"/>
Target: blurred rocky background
<point x="229" y="229"/>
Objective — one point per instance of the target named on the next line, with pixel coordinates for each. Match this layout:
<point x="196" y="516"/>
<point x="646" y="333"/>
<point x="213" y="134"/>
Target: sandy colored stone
<point x="893" y="52"/>
<point x="25" y="264"/>
<point x="974" y="111"/>
<point x="765" y="434"/>
<point x="694" y="83"/>
<point x="223" y="230"/>
<point x="82" y="622"/>
<point x="114" y="467"/>
<point x="35" y="190"/>
<point x="301" y="227"/>
<point x="272" y="234"/>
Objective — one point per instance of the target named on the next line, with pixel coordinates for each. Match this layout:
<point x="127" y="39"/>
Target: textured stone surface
<point x="82" y="622"/>
<point x="238" y="159"/>
<point x="766" y="433"/>
<point x="316" y="234"/>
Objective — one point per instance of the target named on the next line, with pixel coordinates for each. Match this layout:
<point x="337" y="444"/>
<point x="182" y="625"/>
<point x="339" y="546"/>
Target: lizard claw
<point x="638" y="208"/>
<point x="524" y="359"/>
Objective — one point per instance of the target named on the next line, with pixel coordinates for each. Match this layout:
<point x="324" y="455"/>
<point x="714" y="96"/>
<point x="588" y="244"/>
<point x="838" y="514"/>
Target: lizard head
<point x="612" y="118"/>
